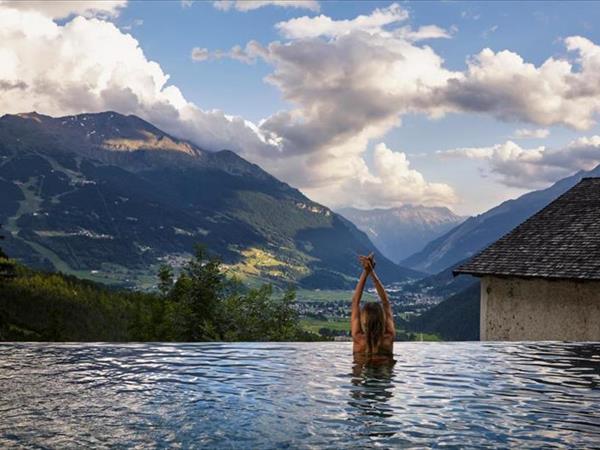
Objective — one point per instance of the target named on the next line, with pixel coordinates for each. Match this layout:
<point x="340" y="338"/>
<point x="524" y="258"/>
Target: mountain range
<point x="110" y="197"/>
<point x="476" y="233"/>
<point x="457" y="317"/>
<point x="402" y="231"/>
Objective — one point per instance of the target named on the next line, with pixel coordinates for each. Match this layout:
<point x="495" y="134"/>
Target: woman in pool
<point x="373" y="329"/>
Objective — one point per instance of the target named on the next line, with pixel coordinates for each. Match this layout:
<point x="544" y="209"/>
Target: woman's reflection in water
<point x="372" y="388"/>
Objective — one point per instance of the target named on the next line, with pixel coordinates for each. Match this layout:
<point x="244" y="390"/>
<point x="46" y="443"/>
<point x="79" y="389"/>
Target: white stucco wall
<point x="514" y="309"/>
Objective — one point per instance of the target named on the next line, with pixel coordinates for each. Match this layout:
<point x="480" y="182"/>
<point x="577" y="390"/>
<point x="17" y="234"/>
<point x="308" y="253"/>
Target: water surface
<point x="300" y="395"/>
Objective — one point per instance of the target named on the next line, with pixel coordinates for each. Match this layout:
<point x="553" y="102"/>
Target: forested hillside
<point x="201" y="305"/>
<point x="110" y="198"/>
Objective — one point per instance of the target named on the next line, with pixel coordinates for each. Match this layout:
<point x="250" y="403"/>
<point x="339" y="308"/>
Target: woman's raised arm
<point x="390" y="327"/>
<point x="355" y="326"/>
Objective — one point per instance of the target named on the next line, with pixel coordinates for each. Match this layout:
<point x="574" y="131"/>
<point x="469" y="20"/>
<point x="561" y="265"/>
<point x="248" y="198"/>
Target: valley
<point x="111" y="199"/>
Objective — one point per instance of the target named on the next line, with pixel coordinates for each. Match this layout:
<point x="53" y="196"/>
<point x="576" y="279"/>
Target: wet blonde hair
<point x="372" y="320"/>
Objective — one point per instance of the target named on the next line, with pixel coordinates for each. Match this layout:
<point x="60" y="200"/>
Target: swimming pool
<point x="299" y="395"/>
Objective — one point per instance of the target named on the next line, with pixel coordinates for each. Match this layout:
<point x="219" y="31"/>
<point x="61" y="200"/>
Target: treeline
<point x="201" y="305"/>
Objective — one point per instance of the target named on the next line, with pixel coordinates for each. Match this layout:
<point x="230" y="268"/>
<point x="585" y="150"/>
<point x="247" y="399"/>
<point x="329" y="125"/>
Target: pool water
<point x="299" y="395"/>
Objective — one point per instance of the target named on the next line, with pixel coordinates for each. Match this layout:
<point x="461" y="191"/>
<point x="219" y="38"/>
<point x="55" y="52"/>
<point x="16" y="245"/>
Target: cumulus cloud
<point x="249" y="5"/>
<point x="536" y="167"/>
<point x="62" y="9"/>
<point x="89" y="65"/>
<point x="348" y="83"/>
<point x="503" y="85"/>
<point x="528" y="133"/>
<point x="392" y="182"/>
<point x="342" y="100"/>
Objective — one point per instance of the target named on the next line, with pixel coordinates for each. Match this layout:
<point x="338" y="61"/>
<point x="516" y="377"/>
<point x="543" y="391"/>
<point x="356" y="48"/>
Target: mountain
<point x="478" y="232"/>
<point x="443" y="284"/>
<point x="454" y="319"/>
<point x="110" y="197"/>
<point x="400" y="232"/>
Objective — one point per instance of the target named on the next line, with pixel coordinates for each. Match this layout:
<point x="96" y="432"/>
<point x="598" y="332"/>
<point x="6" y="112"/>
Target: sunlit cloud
<point x="516" y="166"/>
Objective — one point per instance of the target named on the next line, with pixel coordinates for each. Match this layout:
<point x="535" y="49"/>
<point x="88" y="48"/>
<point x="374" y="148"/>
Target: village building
<point x="541" y="281"/>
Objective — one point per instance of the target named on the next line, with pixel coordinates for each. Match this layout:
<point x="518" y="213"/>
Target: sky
<point x="365" y="104"/>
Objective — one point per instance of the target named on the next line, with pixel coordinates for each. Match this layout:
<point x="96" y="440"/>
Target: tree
<point x="165" y="279"/>
<point x="256" y="315"/>
<point x="2" y="254"/>
<point x="195" y="310"/>
<point x="7" y="267"/>
<point x="204" y="305"/>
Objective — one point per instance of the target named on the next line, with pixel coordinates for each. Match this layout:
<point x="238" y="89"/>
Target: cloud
<point x="312" y="27"/>
<point x="247" y="55"/>
<point x="503" y="85"/>
<point x="134" y="23"/>
<point x="347" y="83"/>
<point x="63" y="9"/>
<point x="527" y="133"/>
<point x="392" y="183"/>
<point x="249" y="5"/>
<point x="200" y="54"/>
<point x="89" y="65"/>
<point x="520" y="167"/>
<point x="488" y="31"/>
<point x="425" y="32"/>
<point x="9" y="85"/>
<point x="341" y="101"/>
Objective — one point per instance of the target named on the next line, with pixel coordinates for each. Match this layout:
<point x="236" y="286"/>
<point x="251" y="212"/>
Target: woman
<point x="373" y="329"/>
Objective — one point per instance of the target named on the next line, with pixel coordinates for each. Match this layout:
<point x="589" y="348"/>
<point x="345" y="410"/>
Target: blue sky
<point x="170" y="30"/>
<point x="427" y="149"/>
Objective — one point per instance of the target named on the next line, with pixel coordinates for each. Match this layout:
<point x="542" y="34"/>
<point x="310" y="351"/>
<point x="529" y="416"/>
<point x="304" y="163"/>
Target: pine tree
<point x="7" y="267"/>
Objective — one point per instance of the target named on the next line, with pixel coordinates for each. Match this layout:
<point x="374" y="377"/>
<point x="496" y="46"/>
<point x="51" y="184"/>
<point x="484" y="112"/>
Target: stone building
<point x="541" y="281"/>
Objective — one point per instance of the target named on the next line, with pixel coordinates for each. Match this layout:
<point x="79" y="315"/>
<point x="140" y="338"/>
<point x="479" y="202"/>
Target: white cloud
<point x="528" y="133"/>
<point x="312" y="27"/>
<point x="392" y="183"/>
<point x="348" y="83"/>
<point x="249" y="5"/>
<point x="341" y="101"/>
<point x="425" y="32"/>
<point x="62" y="9"/>
<point x="89" y="65"/>
<point x="503" y="85"/>
<point x="533" y="167"/>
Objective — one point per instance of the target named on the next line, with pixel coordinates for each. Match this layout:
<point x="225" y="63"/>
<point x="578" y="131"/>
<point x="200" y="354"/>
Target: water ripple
<point x="250" y="395"/>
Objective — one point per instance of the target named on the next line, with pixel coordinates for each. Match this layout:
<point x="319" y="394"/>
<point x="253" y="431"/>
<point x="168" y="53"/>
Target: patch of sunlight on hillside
<point x="258" y="262"/>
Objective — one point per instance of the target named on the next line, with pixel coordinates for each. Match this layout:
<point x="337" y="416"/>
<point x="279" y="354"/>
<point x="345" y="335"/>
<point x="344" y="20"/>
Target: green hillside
<point x="110" y="198"/>
<point x="454" y="319"/>
<point x="201" y="305"/>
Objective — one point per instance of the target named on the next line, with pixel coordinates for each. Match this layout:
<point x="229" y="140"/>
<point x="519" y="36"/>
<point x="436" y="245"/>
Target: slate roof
<point x="560" y="241"/>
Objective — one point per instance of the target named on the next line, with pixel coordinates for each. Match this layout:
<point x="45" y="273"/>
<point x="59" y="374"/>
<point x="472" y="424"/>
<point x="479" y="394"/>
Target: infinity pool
<point x="301" y="395"/>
